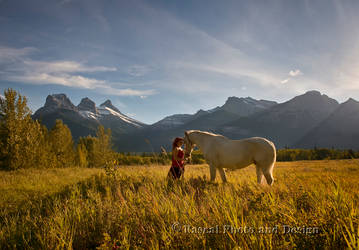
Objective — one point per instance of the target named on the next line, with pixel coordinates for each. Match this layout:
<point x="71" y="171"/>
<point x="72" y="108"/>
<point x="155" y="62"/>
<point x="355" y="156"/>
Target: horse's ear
<point x="186" y="133"/>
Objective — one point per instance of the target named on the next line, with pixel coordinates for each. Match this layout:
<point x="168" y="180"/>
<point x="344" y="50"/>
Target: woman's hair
<point x="175" y="142"/>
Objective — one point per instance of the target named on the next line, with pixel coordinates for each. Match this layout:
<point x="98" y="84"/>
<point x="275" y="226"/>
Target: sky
<point x="157" y="58"/>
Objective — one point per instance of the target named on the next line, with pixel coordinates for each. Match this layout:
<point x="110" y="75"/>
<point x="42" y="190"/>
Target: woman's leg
<point x="174" y="172"/>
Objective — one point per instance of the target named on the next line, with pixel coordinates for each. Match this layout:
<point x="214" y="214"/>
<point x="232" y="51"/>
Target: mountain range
<point x="84" y="119"/>
<point x="305" y="121"/>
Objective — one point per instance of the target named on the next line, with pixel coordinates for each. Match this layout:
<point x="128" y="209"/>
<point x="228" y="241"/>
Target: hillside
<point x="339" y="130"/>
<point x="284" y="123"/>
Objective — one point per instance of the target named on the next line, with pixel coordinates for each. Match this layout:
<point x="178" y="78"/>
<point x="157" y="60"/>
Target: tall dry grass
<point x="311" y="205"/>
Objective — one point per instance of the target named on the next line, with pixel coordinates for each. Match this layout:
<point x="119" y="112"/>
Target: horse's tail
<point x="275" y="153"/>
<point x="272" y="148"/>
<point x="268" y="173"/>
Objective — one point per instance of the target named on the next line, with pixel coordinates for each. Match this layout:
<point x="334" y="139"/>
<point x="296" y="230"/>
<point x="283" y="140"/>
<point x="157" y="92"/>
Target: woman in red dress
<point x="177" y="168"/>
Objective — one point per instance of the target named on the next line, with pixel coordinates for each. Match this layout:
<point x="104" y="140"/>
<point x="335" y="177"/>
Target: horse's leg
<point x="268" y="173"/>
<point x="223" y="174"/>
<point x="269" y="177"/>
<point x="259" y="174"/>
<point x="265" y="169"/>
<point x="212" y="171"/>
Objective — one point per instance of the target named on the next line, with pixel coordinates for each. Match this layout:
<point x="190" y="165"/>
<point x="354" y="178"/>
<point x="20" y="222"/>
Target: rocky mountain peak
<point x="312" y="100"/>
<point x="313" y="92"/>
<point x="350" y="106"/>
<point x="351" y="101"/>
<point x="245" y="106"/>
<point x="232" y="99"/>
<point x="109" y="104"/>
<point x="59" y="101"/>
<point x="87" y="104"/>
<point x="200" y="112"/>
<point x="232" y="102"/>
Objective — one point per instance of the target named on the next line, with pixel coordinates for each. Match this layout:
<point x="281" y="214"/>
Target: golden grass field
<point x="312" y="204"/>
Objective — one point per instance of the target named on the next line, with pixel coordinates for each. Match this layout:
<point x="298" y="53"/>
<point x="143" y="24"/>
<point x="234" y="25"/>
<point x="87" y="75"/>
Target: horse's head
<point x="189" y="145"/>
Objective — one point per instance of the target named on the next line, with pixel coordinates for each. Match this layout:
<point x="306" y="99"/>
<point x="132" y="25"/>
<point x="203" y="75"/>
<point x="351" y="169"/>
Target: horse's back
<point x="258" y="148"/>
<point x="259" y="141"/>
<point x="262" y="148"/>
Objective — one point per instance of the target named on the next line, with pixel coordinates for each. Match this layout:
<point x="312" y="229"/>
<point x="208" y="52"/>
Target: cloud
<point x="234" y="70"/>
<point x="200" y="61"/>
<point x="128" y="92"/>
<point x="295" y="73"/>
<point x="292" y="74"/>
<point x="11" y="54"/>
<point x="66" y="73"/>
<point x="78" y="81"/>
<point x="23" y="69"/>
<point x="64" y="67"/>
<point x="195" y="53"/>
<point x="285" y="81"/>
<point x="65" y="80"/>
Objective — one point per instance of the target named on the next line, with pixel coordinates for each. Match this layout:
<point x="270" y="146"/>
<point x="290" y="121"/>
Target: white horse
<point x="221" y="152"/>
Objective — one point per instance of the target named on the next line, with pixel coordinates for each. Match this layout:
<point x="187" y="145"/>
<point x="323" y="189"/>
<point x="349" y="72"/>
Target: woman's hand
<point x="187" y="160"/>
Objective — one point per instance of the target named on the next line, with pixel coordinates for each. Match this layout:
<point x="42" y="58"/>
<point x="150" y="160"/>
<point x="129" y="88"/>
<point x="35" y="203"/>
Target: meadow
<point x="312" y="204"/>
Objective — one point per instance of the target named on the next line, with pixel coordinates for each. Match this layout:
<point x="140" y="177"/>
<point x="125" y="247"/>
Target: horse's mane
<point x="206" y="133"/>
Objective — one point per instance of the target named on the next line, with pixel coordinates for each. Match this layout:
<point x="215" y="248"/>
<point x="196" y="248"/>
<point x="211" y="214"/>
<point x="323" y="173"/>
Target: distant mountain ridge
<point x="308" y="120"/>
<point x="246" y="106"/>
<point x="284" y="123"/>
<point x="339" y="130"/>
<point x="234" y="105"/>
<point x="85" y="118"/>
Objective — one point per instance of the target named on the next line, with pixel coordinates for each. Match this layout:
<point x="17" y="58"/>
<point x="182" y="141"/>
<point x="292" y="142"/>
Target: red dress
<point x="177" y="168"/>
<point x="180" y="162"/>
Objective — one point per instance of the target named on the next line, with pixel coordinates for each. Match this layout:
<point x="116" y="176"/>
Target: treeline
<point x="25" y="143"/>
<point x="315" y="154"/>
<point x="155" y="158"/>
<point x="282" y="155"/>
